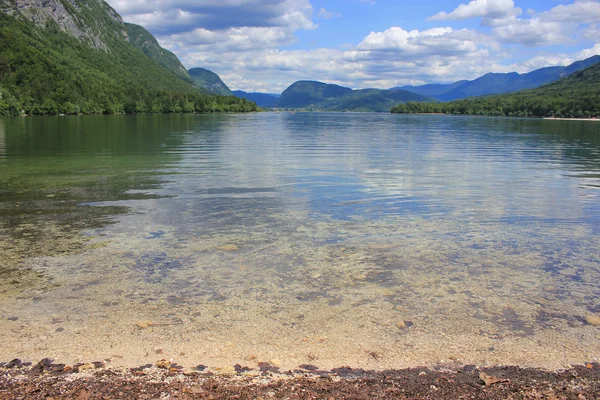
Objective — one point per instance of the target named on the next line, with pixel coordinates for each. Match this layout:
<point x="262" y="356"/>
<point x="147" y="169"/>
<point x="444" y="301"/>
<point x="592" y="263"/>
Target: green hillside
<point x="498" y="83"/>
<point x="209" y="81"/>
<point x="374" y="100"/>
<point x="576" y="96"/>
<point x="303" y="94"/>
<point x="75" y="57"/>
<point x="310" y="95"/>
<point x="143" y="40"/>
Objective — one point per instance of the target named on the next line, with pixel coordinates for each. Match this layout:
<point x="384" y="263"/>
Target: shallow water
<point x="369" y="240"/>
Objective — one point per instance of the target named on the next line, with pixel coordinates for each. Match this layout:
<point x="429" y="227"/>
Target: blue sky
<point x="266" y="45"/>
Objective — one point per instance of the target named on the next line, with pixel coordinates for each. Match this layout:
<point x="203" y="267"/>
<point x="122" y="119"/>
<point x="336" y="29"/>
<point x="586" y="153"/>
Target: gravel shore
<point x="46" y="380"/>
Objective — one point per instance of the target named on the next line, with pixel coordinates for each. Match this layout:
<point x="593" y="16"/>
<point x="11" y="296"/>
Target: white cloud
<point x="243" y="41"/>
<point x="534" y="32"/>
<point x="587" y="53"/>
<point x="326" y="14"/>
<point x="581" y="12"/>
<point x="490" y="9"/>
<point x="442" y="41"/>
<point x="175" y="16"/>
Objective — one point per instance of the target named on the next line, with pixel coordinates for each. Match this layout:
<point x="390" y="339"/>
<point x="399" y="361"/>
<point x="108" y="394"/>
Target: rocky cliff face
<point x="92" y="21"/>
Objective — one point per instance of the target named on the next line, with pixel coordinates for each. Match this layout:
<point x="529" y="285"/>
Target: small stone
<point x="228" y="247"/>
<point x="592" y="319"/>
<point x="275" y="362"/>
<point x="86" y="367"/>
<point x="387" y="293"/>
<point x="490" y="379"/>
<point x="250" y="357"/>
<point x="401" y="324"/>
<point x="422" y="373"/>
<point x="228" y="370"/>
<point x="98" y="364"/>
<point x="163" y="364"/>
<point x="144" y="324"/>
<point x="309" y="367"/>
<point x="13" y="318"/>
<point x="159" y="351"/>
<point x="359" y="277"/>
<point x="197" y="389"/>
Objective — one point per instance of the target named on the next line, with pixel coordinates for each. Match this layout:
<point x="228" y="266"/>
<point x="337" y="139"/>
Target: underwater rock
<point x="592" y="319"/>
<point x="401" y="325"/>
<point x="228" y="247"/>
<point x="275" y="362"/>
<point x="144" y="324"/>
<point x="163" y="364"/>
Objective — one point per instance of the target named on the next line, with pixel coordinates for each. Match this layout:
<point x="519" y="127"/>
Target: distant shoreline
<point x="573" y="119"/>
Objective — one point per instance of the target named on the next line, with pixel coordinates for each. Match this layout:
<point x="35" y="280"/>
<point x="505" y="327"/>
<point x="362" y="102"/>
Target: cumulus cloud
<point x="553" y="27"/>
<point x="244" y="41"/>
<point x="581" y="12"/>
<point x="441" y="41"/>
<point x="534" y="32"/>
<point x="490" y="9"/>
<point x="176" y="16"/>
<point x="587" y="53"/>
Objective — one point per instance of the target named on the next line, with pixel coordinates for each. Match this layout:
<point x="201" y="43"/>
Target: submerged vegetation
<point x="44" y="70"/>
<point x="576" y="96"/>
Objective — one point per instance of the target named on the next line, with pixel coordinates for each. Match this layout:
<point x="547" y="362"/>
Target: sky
<point x="266" y="45"/>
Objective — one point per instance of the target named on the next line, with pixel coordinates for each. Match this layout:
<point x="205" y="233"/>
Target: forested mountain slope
<point x="75" y="56"/>
<point x="576" y="96"/>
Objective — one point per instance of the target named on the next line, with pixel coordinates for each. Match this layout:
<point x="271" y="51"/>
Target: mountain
<point x="77" y="56"/>
<point x="574" y="96"/>
<point x="432" y="89"/>
<point x="326" y="97"/>
<point x="143" y="40"/>
<point x="494" y="83"/>
<point x="261" y="99"/>
<point x="302" y="94"/>
<point x="209" y="81"/>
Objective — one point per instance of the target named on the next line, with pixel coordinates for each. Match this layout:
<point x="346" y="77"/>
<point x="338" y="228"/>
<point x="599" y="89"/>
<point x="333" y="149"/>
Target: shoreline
<point x="47" y="380"/>
<point x="572" y="119"/>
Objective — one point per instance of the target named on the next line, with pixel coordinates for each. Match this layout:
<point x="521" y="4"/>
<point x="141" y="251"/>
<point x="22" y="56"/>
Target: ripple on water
<point x="328" y="238"/>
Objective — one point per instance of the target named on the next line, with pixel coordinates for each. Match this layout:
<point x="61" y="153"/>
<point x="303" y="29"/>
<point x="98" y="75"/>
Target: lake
<point x="369" y="240"/>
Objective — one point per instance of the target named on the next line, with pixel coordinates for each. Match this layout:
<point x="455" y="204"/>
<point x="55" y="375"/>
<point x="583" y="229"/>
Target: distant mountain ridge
<point x="574" y="96"/>
<point x="498" y="83"/>
<point x="321" y="96"/>
<point x="261" y="99"/>
<point x="302" y="94"/>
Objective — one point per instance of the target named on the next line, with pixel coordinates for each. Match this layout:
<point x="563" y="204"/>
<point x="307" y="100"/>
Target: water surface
<point x="370" y="240"/>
